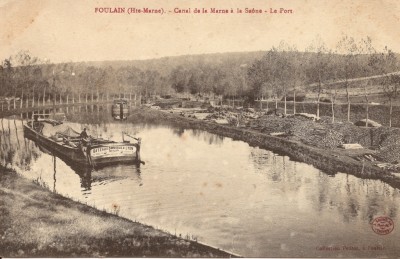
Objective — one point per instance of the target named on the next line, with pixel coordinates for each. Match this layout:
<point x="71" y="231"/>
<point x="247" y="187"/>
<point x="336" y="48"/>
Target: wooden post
<point x="285" y="105"/>
<point x="139" y="140"/>
<point x="33" y="100"/>
<point x="44" y="96"/>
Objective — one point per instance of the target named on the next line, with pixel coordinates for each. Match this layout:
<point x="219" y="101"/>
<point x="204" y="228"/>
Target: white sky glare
<point x="70" y="30"/>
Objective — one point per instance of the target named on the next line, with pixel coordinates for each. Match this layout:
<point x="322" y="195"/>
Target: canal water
<point x="217" y="191"/>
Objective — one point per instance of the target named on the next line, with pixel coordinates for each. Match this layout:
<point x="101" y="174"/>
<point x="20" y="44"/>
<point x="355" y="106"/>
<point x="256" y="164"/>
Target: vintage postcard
<point x="199" y="128"/>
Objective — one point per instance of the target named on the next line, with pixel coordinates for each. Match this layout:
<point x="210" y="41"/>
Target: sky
<point x="71" y="30"/>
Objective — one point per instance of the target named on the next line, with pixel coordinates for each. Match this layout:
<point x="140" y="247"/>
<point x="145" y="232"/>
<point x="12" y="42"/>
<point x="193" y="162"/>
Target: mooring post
<point x="139" y="141"/>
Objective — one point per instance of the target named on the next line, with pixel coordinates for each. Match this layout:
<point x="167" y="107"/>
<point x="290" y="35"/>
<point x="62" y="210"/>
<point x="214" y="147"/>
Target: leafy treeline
<point x="26" y="76"/>
<point x="279" y="73"/>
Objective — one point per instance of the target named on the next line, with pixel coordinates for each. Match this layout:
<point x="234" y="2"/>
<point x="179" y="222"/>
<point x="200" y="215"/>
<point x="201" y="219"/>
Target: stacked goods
<point x="223" y="117"/>
<point x="327" y="119"/>
<point x="309" y="116"/>
<point x="352" y="146"/>
<point x="269" y="124"/>
<point x="325" y="134"/>
<point x="390" y="146"/>
<point x="168" y="104"/>
<point x="233" y="116"/>
<point x="332" y="139"/>
<point x="370" y="123"/>
<point x="318" y="135"/>
<point x="379" y="135"/>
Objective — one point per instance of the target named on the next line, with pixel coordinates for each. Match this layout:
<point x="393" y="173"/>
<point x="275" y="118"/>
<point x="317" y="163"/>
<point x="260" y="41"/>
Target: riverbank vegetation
<point x="38" y="223"/>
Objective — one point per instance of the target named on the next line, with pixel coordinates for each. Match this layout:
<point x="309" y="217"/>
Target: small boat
<point x="120" y="109"/>
<point x="67" y="144"/>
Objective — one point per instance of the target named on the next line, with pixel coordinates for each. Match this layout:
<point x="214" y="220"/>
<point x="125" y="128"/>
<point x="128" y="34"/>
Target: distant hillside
<point x="247" y="74"/>
<point x="165" y="65"/>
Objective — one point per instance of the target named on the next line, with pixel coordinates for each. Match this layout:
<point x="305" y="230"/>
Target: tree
<point x="262" y="74"/>
<point x="179" y="79"/>
<point x="283" y="74"/>
<point x="384" y="63"/>
<point x="297" y="72"/>
<point x="348" y="47"/>
<point x="333" y="94"/>
<point x="256" y="74"/>
<point x="7" y="78"/>
<point x="23" y="67"/>
<point x="319" y="70"/>
<point x="367" y="48"/>
<point x="391" y="89"/>
<point x="94" y="79"/>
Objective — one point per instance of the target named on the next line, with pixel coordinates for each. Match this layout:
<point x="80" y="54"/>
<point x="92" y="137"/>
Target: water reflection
<point x="224" y="192"/>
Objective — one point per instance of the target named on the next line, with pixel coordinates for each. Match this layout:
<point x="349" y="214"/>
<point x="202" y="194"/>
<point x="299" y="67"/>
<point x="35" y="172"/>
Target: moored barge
<point x="69" y="145"/>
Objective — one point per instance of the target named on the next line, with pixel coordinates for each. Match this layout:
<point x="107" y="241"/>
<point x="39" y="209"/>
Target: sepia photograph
<point x="199" y="128"/>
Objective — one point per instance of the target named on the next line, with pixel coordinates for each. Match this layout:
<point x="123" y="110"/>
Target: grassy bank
<point x="35" y="222"/>
<point x="328" y="160"/>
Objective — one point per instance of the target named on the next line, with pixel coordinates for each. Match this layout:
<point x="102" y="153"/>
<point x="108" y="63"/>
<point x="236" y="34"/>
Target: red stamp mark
<point x="382" y="225"/>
